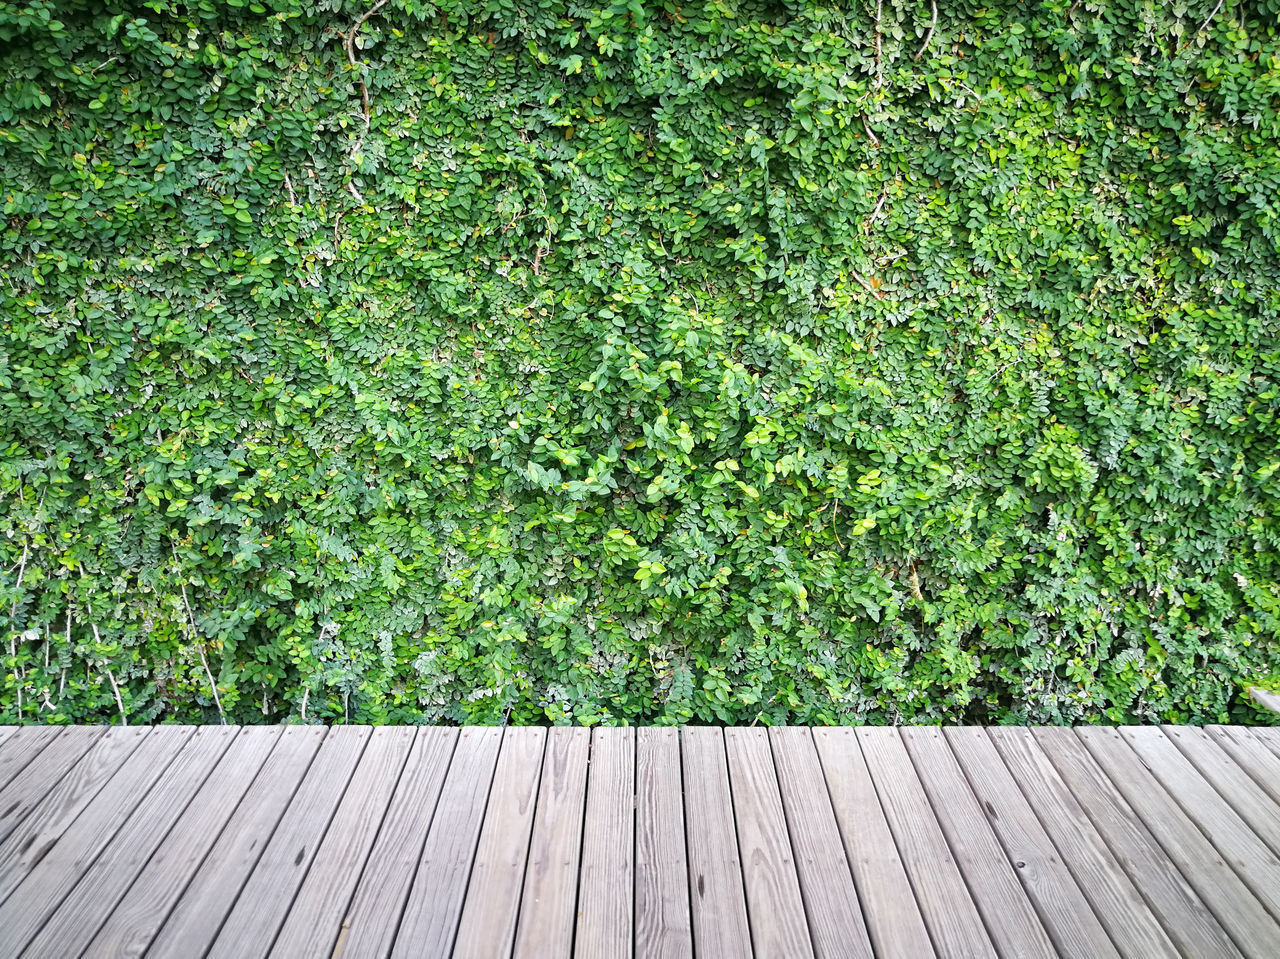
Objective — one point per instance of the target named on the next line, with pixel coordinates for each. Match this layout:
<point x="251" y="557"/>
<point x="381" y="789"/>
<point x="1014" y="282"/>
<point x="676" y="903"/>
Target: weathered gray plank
<point x="1063" y="908"/>
<point x="775" y="906"/>
<point x="40" y="815"/>
<point x="1240" y="913"/>
<point x="1184" y="917"/>
<point x="1268" y="735"/>
<point x="1252" y="754"/>
<point x="831" y="903"/>
<point x="1232" y="782"/>
<point x="894" y="922"/>
<point x="23" y="744"/>
<point x="719" y="905"/>
<point x="64" y="771"/>
<point x="663" y="925"/>
<point x="369" y="929"/>
<point x="545" y="924"/>
<point x="55" y="867"/>
<point x="314" y="920"/>
<point x="137" y="917"/>
<point x="251" y="927"/>
<point x="430" y="921"/>
<point x="1116" y="900"/>
<point x="488" y="924"/>
<point x="1253" y="861"/>
<point x="949" y="911"/>
<point x="195" y="919"/>
<point x="91" y="901"/>
<point x="606" y="897"/>
<point x="1010" y="917"/>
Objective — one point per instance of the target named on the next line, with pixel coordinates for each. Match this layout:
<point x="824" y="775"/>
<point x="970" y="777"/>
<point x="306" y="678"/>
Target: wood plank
<point x="90" y="903"/>
<point x="314" y="920"/>
<point x="68" y="771"/>
<point x="488" y="924"/>
<point x="948" y="909"/>
<point x="196" y="918"/>
<point x="894" y="922"/>
<point x="56" y="866"/>
<point x="719" y="904"/>
<point x="22" y="746"/>
<point x="1247" y="749"/>
<point x="545" y="925"/>
<point x="1253" y="861"/>
<point x="1116" y="899"/>
<point x="136" y="919"/>
<point x="251" y="926"/>
<point x="775" y="906"/>
<point x="1232" y="782"/>
<point x="1010" y="918"/>
<point x="664" y="927"/>
<point x="836" y="926"/>
<point x="1184" y="917"/>
<point x="369" y="928"/>
<point x="1065" y="911"/>
<point x="1269" y="736"/>
<point x="1241" y="915"/>
<point x="606" y="897"/>
<point x="430" y="921"/>
<point x="39" y="815"/>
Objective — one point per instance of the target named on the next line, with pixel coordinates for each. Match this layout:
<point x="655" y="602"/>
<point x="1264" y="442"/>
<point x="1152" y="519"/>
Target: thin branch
<point x="928" y="37"/>
<point x="349" y="39"/>
<point x="195" y="641"/>
<point x="1209" y="18"/>
<point x="288" y="185"/>
<point x="867" y="286"/>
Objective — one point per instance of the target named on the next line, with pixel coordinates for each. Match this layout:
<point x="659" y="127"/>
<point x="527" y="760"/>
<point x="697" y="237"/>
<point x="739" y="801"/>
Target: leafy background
<point x="664" y="362"/>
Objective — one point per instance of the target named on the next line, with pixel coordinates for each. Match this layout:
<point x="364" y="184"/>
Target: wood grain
<point x="836" y="926"/>
<point x="251" y="927"/>
<point x="137" y="918"/>
<point x="368" y="930"/>
<point x="192" y="925"/>
<point x="606" y="896"/>
<point x="719" y="904"/>
<point x="894" y="922"/>
<point x="664" y="927"/>
<point x="945" y="902"/>
<point x="94" y="897"/>
<point x="314" y="921"/>
<point x="550" y="892"/>
<point x="430" y="921"/>
<point x="56" y="863"/>
<point x="1244" y="918"/>
<point x="1009" y="916"/>
<point x="775" y="906"/>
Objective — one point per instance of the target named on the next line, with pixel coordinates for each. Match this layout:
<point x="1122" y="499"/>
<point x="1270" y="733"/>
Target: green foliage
<point x="657" y="362"/>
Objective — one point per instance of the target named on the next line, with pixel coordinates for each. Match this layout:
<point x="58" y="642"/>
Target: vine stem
<point x="928" y="37"/>
<point x="349" y="42"/>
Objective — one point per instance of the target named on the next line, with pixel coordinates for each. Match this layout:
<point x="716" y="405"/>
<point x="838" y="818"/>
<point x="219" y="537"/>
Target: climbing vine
<point x="720" y="361"/>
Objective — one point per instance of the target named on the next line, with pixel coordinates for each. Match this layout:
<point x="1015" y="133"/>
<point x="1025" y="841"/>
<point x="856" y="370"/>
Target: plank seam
<point x="1233" y="935"/>
<point x="265" y="843"/>
<point x="533" y="825"/>
<point x="143" y="866"/>
<point x="1064" y="860"/>
<point x="89" y="865"/>
<point x="373" y="844"/>
<point x="426" y="834"/>
<point x="733" y="814"/>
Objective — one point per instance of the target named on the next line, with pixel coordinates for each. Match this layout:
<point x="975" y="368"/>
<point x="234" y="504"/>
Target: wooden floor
<point x="484" y="842"/>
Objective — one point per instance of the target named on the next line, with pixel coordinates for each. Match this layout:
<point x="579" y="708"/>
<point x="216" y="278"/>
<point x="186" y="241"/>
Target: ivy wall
<point x="655" y="362"/>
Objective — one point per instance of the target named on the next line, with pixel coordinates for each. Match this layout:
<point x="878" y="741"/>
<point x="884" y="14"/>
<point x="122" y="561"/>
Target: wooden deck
<point x="483" y="842"/>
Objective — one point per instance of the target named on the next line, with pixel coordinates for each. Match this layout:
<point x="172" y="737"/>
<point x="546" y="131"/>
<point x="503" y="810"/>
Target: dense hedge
<point x="718" y="361"/>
